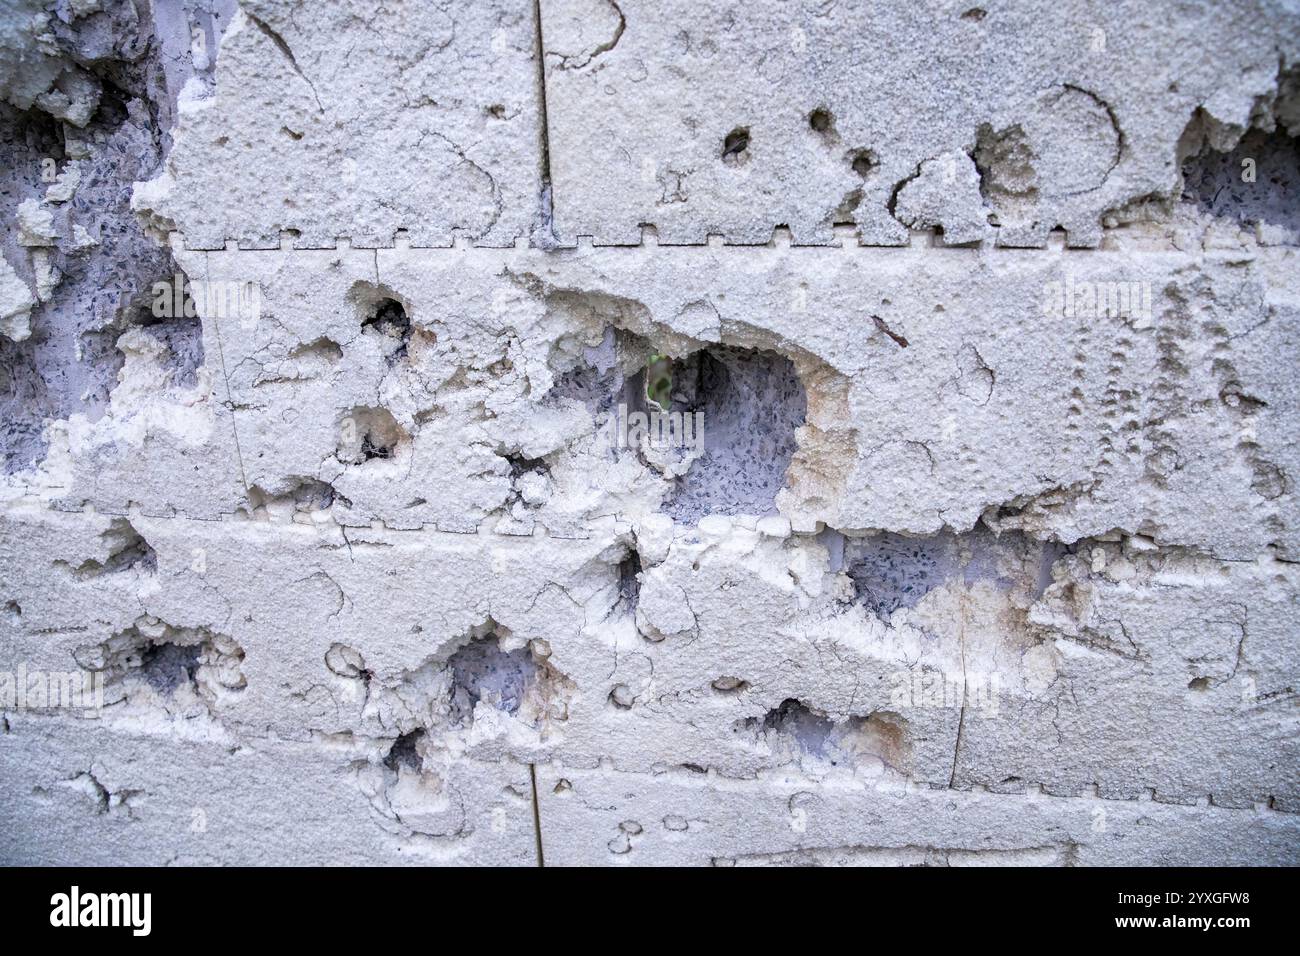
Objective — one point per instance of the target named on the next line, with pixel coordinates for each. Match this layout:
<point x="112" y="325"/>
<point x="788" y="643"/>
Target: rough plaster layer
<point x="730" y="119"/>
<point x="424" y="118"/>
<point x="988" y="555"/>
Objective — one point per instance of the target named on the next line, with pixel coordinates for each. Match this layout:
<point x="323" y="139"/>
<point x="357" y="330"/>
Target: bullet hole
<point x="13" y="609"/>
<point x="794" y="730"/>
<point x="1269" y="481"/>
<point x="181" y="341"/>
<point x="405" y="752"/>
<point x="521" y="465"/>
<point x="974" y="14"/>
<point x="367" y="434"/>
<point x="132" y="550"/>
<point x="389" y="318"/>
<point x="891" y="571"/>
<point x="496" y="111"/>
<point x="184" y="667"/>
<point x="864" y="162"/>
<point x="735" y="148"/>
<point x="127" y="550"/>
<point x="730" y="685"/>
<point x="821" y="122"/>
<point x="530" y="485"/>
<point x="323" y="348"/>
<point x="622" y="697"/>
<point x="166" y="666"/>
<point x="302" y="495"/>
<point x="751" y="403"/>
<point x="482" y="671"/>
<point x="292" y="134"/>
<point x="629" y="582"/>
<point x="562" y="786"/>
<point x="795" y="719"/>
<point x="1199" y="684"/>
<point x="390" y="324"/>
<point x="1255" y="184"/>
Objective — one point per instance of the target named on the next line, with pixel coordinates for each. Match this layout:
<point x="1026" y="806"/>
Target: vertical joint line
<point x="540" y="48"/>
<point x="537" y="815"/>
<point x="961" y="719"/>
<point x="230" y="398"/>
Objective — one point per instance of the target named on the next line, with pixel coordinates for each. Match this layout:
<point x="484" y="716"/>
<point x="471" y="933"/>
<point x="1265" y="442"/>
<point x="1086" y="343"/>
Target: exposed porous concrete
<point x="89" y="100"/>
<point x="650" y="433"/>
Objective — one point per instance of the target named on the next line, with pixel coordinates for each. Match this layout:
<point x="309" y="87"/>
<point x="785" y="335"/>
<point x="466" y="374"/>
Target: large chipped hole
<point x="181" y="342"/>
<point x="751" y="403"/>
<point x="385" y="320"/>
<point x="513" y="681"/>
<point x="389" y="324"/>
<point x="405" y="752"/>
<point x="793" y="730"/>
<point x="592" y="375"/>
<point x="735" y="147"/>
<point x="892" y="571"/>
<point x="187" y="670"/>
<point x="1257" y="184"/>
<point x="368" y="433"/>
<point x="166" y="666"/>
<point x="122" y="141"/>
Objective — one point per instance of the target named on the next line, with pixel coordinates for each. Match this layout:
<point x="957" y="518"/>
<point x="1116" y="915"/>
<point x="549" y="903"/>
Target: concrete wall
<point x="328" y="332"/>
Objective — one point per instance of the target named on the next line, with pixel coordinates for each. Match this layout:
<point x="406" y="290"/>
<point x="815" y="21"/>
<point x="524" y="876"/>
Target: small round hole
<point x="735" y="148"/>
<point x="864" y="162"/>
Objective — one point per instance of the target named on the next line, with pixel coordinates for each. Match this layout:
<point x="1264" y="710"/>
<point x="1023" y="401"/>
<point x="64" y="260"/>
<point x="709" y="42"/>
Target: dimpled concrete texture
<point x="578" y="432"/>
